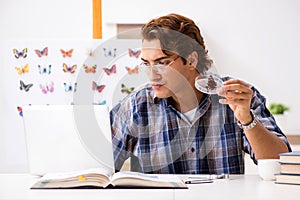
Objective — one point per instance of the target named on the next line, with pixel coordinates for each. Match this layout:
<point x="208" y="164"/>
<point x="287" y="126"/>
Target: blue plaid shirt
<point x="163" y="140"/>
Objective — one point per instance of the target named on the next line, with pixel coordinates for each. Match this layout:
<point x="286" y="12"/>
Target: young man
<point x="171" y="127"/>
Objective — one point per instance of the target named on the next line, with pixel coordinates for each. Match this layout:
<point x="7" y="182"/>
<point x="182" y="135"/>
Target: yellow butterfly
<point x="125" y="89"/>
<point x="23" y="70"/>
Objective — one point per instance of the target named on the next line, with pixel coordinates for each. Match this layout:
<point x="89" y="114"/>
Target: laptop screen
<point x="63" y="138"/>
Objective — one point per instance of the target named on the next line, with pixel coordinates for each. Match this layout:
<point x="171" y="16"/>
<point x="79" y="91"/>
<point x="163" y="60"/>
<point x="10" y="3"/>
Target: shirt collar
<point x="202" y="107"/>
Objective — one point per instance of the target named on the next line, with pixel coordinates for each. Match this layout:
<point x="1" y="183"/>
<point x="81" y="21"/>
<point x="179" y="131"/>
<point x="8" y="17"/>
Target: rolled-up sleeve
<point x="258" y="105"/>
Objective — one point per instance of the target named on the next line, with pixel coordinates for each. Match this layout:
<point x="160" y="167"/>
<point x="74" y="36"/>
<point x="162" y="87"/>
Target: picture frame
<point x="97" y="19"/>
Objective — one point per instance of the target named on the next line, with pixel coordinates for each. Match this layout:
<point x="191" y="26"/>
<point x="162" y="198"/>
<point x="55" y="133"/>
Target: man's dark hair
<point x="178" y="35"/>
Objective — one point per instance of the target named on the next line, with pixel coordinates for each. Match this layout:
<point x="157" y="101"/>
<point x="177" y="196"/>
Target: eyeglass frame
<point x="159" y="68"/>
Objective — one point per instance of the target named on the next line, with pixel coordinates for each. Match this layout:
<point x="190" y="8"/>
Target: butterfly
<point x="133" y="53"/>
<point x="25" y="87"/>
<point x="110" y="52"/>
<point x="22" y="53"/>
<point x="100" y="103"/>
<point x="70" y="87"/>
<point x="90" y="52"/>
<point x="44" y="70"/>
<point x="90" y="69"/>
<point x="41" y="53"/>
<point x="23" y="70"/>
<point x="66" y="53"/>
<point x="47" y="88"/>
<point x="125" y="89"/>
<point x="111" y="70"/>
<point x="20" y="110"/>
<point x="134" y="70"/>
<point x="97" y="87"/>
<point x="70" y="69"/>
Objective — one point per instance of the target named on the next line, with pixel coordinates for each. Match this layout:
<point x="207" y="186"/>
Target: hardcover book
<point x="290" y="168"/>
<point x="293" y="179"/>
<point x="290" y="157"/>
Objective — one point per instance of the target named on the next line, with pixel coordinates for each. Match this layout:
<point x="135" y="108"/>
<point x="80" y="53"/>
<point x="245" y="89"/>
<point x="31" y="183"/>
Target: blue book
<point x="293" y="179"/>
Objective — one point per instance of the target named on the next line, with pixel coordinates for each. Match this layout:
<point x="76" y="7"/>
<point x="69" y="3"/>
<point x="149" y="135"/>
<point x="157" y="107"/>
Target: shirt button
<point x="192" y="149"/>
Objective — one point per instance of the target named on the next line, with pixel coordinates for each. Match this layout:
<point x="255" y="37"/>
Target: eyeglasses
<point x="159" y="67"/>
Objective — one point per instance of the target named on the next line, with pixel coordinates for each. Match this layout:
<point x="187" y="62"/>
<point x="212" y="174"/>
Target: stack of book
<point x="289" y="168"/>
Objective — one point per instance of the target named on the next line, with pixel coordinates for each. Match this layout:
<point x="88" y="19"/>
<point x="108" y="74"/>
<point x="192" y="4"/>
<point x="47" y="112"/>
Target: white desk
<point x="16" y="186"/>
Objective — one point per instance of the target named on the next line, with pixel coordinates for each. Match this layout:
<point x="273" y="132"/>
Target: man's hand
<point x="238" y="94"/>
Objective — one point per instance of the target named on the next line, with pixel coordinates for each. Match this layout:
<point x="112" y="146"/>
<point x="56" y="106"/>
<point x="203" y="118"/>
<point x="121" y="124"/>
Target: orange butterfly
<point x="90" y="69"/>
<point x="134" y="70"/>
<point x="66" y="53"/>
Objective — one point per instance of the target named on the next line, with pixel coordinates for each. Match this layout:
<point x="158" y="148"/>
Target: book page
<point x="96" y="177"/>
<point x="68" y="175"/>
<point x="135" y="179"/>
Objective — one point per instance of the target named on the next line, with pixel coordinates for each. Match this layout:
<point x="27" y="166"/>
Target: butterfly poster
<point x="49" y="72"/>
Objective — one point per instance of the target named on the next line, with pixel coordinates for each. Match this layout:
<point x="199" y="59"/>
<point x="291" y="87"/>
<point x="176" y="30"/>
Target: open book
<point x="100" y="178"/>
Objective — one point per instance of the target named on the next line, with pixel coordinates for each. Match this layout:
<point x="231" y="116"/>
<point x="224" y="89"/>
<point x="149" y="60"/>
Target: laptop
<point x="62" y="138"/>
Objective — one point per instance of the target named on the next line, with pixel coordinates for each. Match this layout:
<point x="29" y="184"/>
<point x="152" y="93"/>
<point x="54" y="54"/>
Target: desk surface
<point x="16" y="186"/>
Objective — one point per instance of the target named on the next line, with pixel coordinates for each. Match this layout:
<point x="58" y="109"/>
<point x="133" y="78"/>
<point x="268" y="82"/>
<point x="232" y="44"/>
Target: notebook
<point x="62" y="138"/>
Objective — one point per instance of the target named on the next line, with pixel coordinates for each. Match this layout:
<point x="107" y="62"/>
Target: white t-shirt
<point x="190" y="114"/>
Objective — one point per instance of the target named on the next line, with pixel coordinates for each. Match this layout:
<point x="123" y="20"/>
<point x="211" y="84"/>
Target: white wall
<point x="256" y="40"/>
<point x="40" y="19"/>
